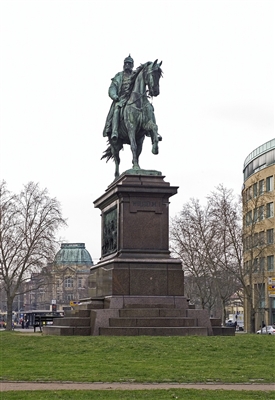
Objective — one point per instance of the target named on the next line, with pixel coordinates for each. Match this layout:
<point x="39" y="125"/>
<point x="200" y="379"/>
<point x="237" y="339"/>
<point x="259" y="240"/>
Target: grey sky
<point x="216" y="101"/>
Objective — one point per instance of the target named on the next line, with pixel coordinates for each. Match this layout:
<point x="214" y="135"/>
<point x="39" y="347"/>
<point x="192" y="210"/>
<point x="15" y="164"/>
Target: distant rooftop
<point x="73" y="254"/>
<point x="259" y="151"/>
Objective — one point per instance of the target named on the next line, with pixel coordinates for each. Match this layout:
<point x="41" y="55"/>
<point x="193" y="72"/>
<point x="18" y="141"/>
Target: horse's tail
<point x="107" y="154"/>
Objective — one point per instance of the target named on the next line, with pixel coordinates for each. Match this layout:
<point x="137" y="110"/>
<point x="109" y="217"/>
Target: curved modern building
<point x="258" y="234"/>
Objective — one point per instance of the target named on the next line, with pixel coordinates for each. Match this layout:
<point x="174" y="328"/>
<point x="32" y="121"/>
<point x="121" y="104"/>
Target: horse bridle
<point x="146" y="83"/>
<point x="143" y="94"/>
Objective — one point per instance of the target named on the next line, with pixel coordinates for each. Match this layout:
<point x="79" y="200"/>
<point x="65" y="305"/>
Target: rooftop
<point x="264" y="148"/>
<point x="73" y="254"/>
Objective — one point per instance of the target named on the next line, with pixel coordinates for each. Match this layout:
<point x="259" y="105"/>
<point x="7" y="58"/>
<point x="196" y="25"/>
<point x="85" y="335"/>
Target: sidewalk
<point x="25" y="330"/>
<point x="6" y="386"/>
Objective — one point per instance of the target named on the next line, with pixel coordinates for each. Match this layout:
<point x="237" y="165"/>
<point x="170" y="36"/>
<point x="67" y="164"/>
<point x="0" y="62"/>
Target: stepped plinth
<point x="137" y="288"/>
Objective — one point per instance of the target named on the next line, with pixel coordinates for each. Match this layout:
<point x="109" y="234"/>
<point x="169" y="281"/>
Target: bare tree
<point x="227" y="255"/>
<point x="28" y="224"/>
<point x="200" y="237"/>
<point x="192" y="237"/>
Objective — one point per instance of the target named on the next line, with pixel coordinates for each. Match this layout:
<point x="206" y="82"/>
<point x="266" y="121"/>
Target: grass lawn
<point x="172" y="394"/>
<point x="234" y="359"/>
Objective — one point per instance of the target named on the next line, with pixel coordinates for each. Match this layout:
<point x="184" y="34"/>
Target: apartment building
<point x="258" y="197"/>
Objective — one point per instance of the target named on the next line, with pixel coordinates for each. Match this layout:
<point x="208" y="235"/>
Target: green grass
<point x="233" y="359"/>
<point x="171" y="394"/>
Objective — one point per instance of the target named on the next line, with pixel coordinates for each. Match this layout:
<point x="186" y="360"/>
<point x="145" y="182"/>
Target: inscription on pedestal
<point x="109" y="239"/>
<point x="145" y="204"/>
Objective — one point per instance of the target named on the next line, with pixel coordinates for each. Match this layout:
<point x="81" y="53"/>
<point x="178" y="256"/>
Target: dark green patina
<point x="131" y="116"/>
<point x="73" y="254"/>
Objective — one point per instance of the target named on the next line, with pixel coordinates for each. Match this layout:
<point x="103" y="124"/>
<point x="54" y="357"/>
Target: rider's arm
<point x="114" y="88"/>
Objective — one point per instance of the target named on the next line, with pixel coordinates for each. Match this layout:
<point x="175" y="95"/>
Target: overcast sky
<point x="216" y="101"/>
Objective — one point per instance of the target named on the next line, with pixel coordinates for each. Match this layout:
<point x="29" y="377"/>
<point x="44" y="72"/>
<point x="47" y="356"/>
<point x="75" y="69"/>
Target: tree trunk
<point x="223" y="312"/>
<point x="251" y="317"/>
<point x="9" y="312"/>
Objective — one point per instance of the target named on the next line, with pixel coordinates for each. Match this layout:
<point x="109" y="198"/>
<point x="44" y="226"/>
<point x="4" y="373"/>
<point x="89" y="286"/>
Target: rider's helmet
<point x="129" y="59"/>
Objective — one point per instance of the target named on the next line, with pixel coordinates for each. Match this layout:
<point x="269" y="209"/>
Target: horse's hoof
<point x="159" y="138"/>
<point x="114" y="136"/>
<point x="155" y="149"/>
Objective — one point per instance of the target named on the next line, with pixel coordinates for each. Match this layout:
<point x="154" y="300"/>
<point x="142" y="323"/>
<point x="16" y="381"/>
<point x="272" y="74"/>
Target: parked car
<point x="230" y="323"/>
<point x="267" y="330"/>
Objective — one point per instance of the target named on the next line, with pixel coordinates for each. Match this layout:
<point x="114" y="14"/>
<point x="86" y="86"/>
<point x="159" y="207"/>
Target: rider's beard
<point x="127" y="70"/>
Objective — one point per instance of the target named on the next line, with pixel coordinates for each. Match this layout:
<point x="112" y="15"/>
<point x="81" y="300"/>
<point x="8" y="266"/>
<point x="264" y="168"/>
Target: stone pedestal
<point x="135" y="258"/>
<point x="137" y="288"/>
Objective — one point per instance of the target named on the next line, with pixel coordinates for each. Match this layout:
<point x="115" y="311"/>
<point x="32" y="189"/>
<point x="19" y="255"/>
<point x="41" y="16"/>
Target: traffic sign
<point x="75" y="303"/>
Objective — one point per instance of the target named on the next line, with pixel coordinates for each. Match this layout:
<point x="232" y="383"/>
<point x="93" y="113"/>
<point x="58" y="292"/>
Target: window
<point x="256" y="240"/>
<point x="246" y="195"/>
<point x="249" y="218"/>
<point x="261" y="269"/>
<point x="249" y="264"/>
<point x="79" y="282"/>
<point x="269" y="236"/>
<point x="261" y="186"/>
<point x="69" y="296"/>
<point x="261" y="288"/>
<point x="255" y="265"/>
<point x="69" y="282"/>
<point x="255" y="190"/>
<point x="255" y="216"/>
<point x="269" y="184"/>
<point x="261" y="238"/>
<point x="261" y="213"/>
<point x="270" y="263"/>
<point x="269" y="210"/>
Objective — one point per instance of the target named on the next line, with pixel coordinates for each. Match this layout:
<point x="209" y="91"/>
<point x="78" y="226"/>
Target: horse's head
<point x="153" y="73"/>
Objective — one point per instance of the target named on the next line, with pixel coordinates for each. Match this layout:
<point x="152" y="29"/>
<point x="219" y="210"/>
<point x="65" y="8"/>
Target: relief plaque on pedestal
<point x="135" y="256"/>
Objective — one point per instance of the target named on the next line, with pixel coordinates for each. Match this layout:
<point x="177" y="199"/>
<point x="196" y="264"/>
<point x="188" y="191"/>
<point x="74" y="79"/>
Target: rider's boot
<point x="114" y="135"/>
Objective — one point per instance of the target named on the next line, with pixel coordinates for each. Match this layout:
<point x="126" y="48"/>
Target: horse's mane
<point x="140" y="68"/>
<point x="136" y="74"/>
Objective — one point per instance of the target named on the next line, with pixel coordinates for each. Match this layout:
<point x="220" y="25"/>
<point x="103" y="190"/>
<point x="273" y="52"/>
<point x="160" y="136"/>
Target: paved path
<point x="5" y="386"/>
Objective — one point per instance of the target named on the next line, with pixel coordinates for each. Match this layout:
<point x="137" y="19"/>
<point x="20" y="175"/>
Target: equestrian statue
<point x="131" y="116"/>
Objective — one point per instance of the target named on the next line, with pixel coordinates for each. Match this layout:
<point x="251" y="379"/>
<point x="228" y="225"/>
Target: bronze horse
<point x="137" y="118"/>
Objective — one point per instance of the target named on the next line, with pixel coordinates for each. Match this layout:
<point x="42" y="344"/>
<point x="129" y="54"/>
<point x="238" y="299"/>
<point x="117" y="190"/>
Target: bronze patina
<point x="131" y="116"/>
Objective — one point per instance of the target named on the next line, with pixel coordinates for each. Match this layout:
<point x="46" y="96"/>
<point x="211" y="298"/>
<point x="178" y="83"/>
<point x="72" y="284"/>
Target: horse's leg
<point x="133" y="144"/>
<point x="139" y="146"/>
<point x="155" y="140"/>
<point x="115" y="148"/>
<point x="150" y="126"/>
<point x="153" y="129"/>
